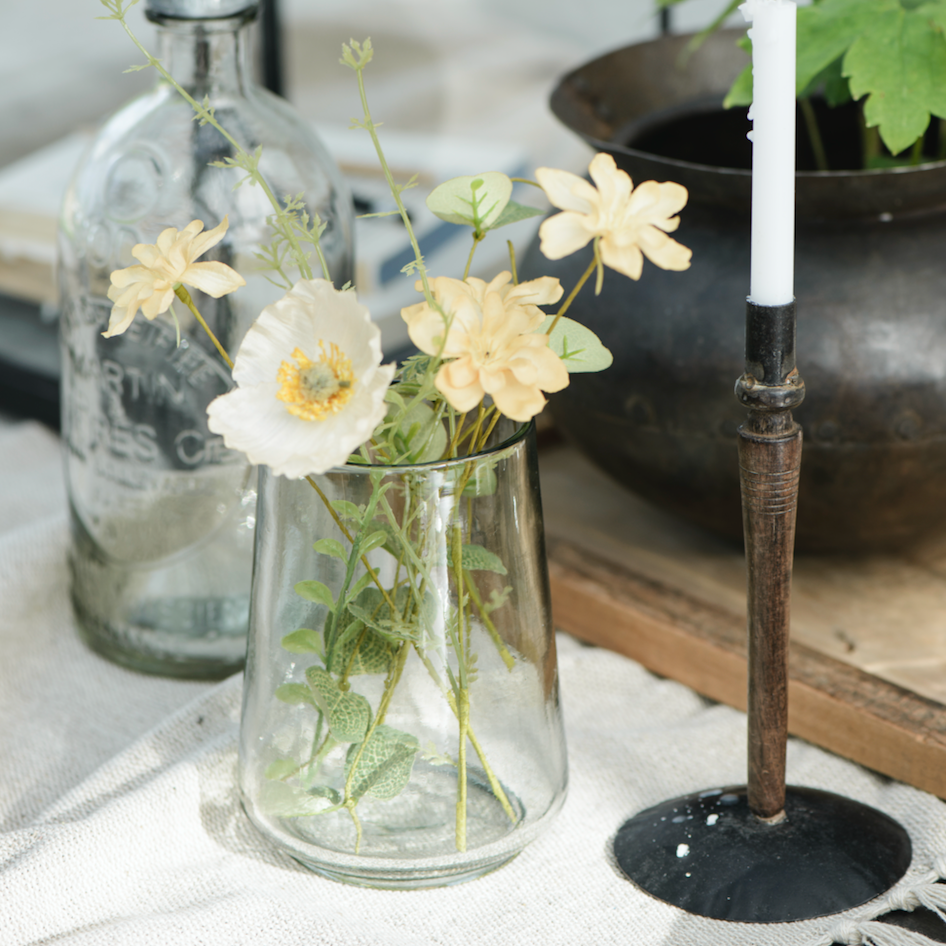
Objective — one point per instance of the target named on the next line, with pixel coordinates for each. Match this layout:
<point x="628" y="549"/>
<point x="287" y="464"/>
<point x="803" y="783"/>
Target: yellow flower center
<point x="316" y="389"/>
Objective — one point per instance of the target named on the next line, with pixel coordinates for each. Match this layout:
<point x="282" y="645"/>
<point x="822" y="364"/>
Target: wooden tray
<point x="867" y="664"/>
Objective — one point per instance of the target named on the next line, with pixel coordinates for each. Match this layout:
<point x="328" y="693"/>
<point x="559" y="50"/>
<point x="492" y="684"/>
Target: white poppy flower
<point x="310" y="383"/>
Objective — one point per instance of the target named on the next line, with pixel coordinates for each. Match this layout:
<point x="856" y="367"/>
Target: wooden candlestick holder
<point x="762" y="852"/>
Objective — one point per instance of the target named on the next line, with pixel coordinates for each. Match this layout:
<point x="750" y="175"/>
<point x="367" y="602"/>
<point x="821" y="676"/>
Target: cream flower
<point x="310" y="383"/>
<point x="165" y="265"/>
<point x="492" y="342"/>
<point x="628" y="221"/>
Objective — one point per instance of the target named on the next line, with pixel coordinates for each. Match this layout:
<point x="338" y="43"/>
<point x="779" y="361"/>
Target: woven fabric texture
<point x="122" y="824"/>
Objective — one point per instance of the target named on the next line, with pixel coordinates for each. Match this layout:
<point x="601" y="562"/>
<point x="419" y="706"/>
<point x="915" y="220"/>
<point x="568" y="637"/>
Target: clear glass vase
<point x="162" y="512"/>
<point x="401" y="725"/>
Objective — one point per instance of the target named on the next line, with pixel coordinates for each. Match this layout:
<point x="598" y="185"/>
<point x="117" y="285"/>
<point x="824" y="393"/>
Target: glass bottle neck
<point x="207" y="57"/>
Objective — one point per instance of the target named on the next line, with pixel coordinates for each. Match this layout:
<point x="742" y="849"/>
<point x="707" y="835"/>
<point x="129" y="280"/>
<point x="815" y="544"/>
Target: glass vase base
<point x="709" y="855"/>
<point x="408" y="842"/>
<point x="405" y="879"/>
<point x="212" y="656"/>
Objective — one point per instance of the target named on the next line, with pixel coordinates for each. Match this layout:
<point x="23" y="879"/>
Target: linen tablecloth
<point x="122" y="825"/>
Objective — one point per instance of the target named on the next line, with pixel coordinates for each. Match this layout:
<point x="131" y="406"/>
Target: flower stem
<point x="477" y="237"/>
<point x="508" y="659"/>
<point x="571" y="296"/>
<point x="206" y="115"/>
<point x="814" y="134"/>
<point x="489" y="430"/>
<point x="364" y="57"/>
<point x="348" y="535"/>
<point x="389" y="684"/>
<point x="463" y="716"/>
<point x="512" y="262"/>
<point x="370" y="127"/>
<point x="185" y="297"/>
<point x="494" y="783"/>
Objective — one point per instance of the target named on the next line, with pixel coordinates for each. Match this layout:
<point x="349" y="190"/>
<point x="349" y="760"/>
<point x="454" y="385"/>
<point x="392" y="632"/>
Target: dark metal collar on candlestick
<point x="760" y="853"/>
<point x="771" y="383"/>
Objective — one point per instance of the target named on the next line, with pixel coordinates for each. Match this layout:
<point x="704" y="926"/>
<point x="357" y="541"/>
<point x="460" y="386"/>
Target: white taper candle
<point x="773" y="150"/>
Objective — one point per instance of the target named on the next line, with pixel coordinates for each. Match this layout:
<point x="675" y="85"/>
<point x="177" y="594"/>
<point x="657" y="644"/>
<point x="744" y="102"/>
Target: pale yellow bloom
<point x="630" y="222"/>
<point x="165" y="265"/>
<point x="492" y="342"/>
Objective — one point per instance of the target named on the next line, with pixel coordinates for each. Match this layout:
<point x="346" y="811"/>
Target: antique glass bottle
<point x="162" y="513"/>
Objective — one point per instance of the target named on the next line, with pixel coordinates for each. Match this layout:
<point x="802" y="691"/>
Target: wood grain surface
<point x="638" y="581"/>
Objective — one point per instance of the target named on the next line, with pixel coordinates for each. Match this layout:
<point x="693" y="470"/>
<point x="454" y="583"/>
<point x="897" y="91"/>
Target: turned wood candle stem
<point x="769" y="462"/>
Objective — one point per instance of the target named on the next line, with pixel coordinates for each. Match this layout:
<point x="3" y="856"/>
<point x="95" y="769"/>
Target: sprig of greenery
<point x="289" y="221"/>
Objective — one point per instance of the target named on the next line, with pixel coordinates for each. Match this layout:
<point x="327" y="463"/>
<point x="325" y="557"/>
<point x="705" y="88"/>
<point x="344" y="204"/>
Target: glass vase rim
<point x="518" y="436"/>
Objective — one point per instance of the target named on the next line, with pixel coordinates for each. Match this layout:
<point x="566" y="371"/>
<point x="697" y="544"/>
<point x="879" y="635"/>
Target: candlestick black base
<point x="708" y="854"/>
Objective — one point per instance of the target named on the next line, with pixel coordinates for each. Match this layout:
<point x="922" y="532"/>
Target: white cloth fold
<point x="119" y="833"/>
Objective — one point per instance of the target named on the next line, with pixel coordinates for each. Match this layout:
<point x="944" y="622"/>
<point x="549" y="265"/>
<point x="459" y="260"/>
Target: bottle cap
<point x="199" y="9"/>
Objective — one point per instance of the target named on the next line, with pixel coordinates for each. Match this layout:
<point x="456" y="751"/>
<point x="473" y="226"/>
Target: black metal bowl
<point x="871" y="291"/>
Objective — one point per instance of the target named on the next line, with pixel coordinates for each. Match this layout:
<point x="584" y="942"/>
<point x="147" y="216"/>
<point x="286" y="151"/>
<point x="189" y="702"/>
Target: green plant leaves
<point x="476" y="201"/>
<point x="891" y="53"/>
<point x="331" y="547"/>
<point x="347" y="510"/>
<point x="374" y="654"/>
<point x="287" y="801"/>
<point x="303" y="641"/>
<point x="295" y="693"/>
<point x="281" y="768"/>
<point x="827" y="30"/>
<point x="577" y="346"/>
<point x="420" y="434"/>
<point x="514" y="212"/>
<point x="316" y="592"/>
<point x="348" y="713"/>
<point x="384" y="767"/>
<point x="476" y="558"/>
<point x="900" y="64"/>
<point x="373" y="541"/>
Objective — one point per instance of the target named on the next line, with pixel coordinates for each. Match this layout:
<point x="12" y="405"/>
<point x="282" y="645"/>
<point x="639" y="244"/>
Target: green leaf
<point x="359" y="586"/>
<point x="347" y="510"/>
<point x="303" y="641"/>
<point x="315" y="591"/>
<point x="414" y="372"/>
<point x="740" y="93"/>
<point x="392" y="542"/>
<point x="513" y="213"/>
<point x="295" y="693"/>
<point x="476" y="558"/>
<point x="577" y="346"/>
<point x="482" y="482"/>
<point x="420" y="436"/>
<point x="331" y="547"/>
<point x="373" y="541"/>
<point x="288" y="801"/>
<point x="384" y="768"/>
<point x="374" y="654"/>
<point x="347" y="712"/>
<point x="837" y="89"/>
<point x="475" y="201"/>
<point x="900" y="63"/>
<point x="827" y="30"/>
<point x="281" y="768"/>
